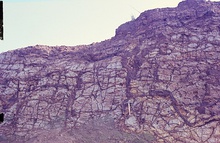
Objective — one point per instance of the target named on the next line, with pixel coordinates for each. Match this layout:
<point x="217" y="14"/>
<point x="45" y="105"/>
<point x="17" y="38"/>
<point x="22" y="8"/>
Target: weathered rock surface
<point x="159" y="75"/>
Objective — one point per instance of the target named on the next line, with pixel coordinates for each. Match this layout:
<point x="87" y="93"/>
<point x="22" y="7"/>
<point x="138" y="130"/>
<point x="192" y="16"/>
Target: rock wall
<point x="160" y="74"/>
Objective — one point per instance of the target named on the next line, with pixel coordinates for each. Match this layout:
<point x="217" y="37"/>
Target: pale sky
<point x="68" y="22"/>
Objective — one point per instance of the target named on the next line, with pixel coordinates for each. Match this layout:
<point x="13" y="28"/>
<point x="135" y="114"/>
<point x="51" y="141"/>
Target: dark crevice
<point x="2" y="118"/>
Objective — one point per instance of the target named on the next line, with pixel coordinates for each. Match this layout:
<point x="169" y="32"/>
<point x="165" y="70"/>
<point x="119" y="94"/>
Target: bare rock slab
<point x="157" y="80"/>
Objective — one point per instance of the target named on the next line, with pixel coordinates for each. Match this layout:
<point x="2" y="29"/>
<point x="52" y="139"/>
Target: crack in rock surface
<point x="157" y="80"/>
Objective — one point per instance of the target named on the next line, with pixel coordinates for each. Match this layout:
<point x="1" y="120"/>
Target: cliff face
<point x="158" y="77"/>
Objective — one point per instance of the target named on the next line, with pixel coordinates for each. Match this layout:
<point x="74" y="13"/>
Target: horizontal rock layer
<point x="159" y="75"/>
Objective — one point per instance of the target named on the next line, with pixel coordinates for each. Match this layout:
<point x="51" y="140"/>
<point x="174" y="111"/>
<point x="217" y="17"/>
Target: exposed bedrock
<point x="159" y="75"/>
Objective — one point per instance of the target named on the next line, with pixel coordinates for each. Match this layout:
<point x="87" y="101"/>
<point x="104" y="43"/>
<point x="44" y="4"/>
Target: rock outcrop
<point x="159" y="75"/>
